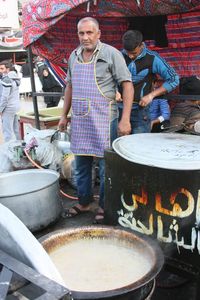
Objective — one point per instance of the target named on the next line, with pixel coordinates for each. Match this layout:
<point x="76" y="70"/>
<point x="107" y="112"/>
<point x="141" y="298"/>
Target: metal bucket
<point x="62" y="141"/>
<point x="138" y="290"/>
<point x="32" y="195"/>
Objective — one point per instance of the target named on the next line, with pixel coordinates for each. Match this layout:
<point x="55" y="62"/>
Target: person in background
<point x="94" y="70"/>
<point x="50" y="84"/>
<point x="159" y="111"/>
<point x="143" y="65"/>
<point x="9" y="101"/>
<point x="186" y="113"/>
<point x="25" y="69"/>
<point x="40" y="65"/>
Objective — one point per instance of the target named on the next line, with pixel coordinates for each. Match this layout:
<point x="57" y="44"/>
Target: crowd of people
<point x="109" y="93"/>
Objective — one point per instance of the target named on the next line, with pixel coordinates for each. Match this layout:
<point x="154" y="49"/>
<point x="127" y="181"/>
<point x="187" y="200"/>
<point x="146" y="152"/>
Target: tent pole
<point x="34" y="97"/>
<point x="14" y="58"/>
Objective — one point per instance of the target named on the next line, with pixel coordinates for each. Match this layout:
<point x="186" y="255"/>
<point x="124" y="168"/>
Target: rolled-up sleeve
<point x="168" y="74"/>
<point x="119" y="68"/>
<point x="69" y="70"/>
<point x="111" y="70"/>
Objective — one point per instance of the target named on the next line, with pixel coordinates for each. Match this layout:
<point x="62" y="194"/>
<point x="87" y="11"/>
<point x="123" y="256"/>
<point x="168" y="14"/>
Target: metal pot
<point x="32" y="195"/>
<point x="139" y="290"/>
<point x="62" y="141"/>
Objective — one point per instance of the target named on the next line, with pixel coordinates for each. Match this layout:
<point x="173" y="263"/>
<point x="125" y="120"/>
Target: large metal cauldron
<point x="32" y="195"/>
<point x="152" y="186"/>
<point x="138" y="290"/>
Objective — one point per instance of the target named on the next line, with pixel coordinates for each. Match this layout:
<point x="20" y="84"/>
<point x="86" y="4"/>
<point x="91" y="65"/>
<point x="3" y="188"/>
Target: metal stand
<point x="43" y="286"/>
<point x="152" y="291"/>
<point x="35" y="105"/>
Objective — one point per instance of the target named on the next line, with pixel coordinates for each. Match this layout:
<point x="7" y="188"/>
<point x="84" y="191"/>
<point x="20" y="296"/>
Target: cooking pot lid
<point x="17" y="241"/>
<point x="164" y="150"/>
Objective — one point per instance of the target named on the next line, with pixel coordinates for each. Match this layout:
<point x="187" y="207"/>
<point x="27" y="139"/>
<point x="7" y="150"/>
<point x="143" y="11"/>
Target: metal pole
<point x="34" y="97"/>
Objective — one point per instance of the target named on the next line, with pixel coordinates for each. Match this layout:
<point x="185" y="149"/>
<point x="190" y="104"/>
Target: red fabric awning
<point x="42" y="16"/>
<point x="49" y="26"/>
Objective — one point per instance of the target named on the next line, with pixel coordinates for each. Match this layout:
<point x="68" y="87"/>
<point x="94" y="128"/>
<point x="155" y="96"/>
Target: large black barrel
<point x="153" y="187"/>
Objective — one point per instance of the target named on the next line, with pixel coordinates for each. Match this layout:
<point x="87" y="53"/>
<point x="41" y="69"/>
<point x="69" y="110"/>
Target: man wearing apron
<point x="94" y="71"/>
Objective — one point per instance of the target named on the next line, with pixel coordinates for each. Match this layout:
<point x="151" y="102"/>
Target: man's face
<point x="3" y="69"/>
<point x="88" y="35"/>
<point x="135" y="52"/>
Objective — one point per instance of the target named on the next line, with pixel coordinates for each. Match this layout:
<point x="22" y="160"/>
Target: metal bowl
<point x="149" y="249"/>
<point x="32" y="195"/>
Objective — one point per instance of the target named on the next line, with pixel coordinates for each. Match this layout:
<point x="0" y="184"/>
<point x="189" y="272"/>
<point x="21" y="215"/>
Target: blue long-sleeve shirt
<point x="159" y="108"/>
<point x="147" y="63"/>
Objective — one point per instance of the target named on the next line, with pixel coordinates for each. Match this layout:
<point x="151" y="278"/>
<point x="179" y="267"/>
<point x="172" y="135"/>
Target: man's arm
<point x="124" y="126"/>
<point x="169" y="76"/>
<point x="6" y="89"/>
<point x="66" y="107"/>
<point x="144" y="101"/>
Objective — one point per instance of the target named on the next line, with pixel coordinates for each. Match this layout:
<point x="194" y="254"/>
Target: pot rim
<point x="117" y="230"/>
<point x="29" y="171"/>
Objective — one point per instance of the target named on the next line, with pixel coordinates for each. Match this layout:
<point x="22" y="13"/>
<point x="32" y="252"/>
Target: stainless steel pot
<point x="32" y="195"/>
<point x="139" y="290"/>
<point x="62" y="141"/>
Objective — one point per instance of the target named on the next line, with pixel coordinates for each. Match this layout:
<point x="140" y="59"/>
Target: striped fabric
<point x="59" y="72"/>
<point x="50" y="27"/>
<point x="183" y="51"/>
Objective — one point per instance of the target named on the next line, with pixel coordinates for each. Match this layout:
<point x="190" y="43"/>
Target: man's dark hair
<point x="132" y="39"/>
<point x="6" y="63"/>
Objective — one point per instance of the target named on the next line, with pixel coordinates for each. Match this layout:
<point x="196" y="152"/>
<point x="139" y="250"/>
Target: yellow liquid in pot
<point x="95" y="265"/>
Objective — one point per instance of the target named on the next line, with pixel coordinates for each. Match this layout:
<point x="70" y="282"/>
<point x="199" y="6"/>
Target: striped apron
<point x="90" y="122"/>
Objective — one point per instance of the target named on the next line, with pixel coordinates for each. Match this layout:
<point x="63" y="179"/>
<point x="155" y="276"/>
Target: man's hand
<point x="62" y="125"/>
<point x="124" y="128"/>
<point x="118" y="97"/>
<point x="144" y="101"/>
